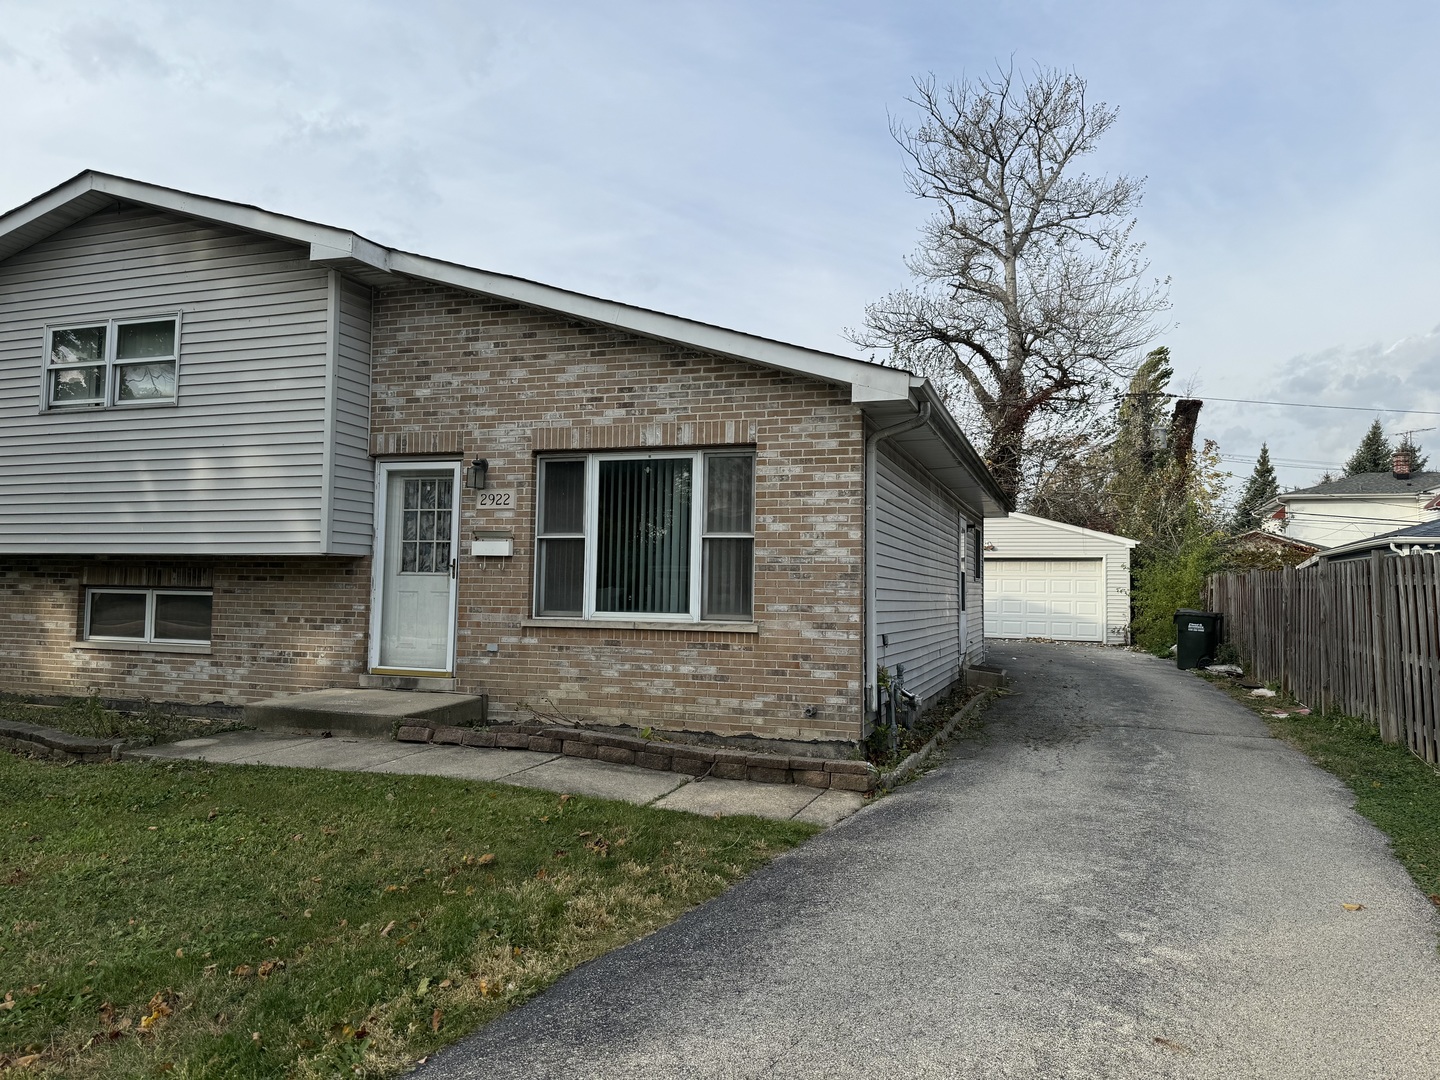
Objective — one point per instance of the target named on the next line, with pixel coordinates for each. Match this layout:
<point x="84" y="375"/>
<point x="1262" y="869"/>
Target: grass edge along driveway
<point x="1397" y="791"/>
<point x="192" y="920"/>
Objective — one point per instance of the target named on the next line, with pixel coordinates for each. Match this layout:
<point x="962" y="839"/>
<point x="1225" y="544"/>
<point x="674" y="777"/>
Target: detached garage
<point x="1044" y="579"/>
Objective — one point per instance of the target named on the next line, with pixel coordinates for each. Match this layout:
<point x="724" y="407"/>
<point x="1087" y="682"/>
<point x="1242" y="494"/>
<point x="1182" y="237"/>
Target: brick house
<point x="245" y="455"/>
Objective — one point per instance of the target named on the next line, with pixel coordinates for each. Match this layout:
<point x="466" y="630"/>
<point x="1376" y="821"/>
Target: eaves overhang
<point x="942" y="448"/>
<point x="374" y="264"/>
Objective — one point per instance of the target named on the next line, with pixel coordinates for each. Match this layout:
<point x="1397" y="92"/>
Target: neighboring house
<point x="243" y="454"/>
<point x="1046" y="579"/>
<point x="1355" y="507"/>
<point x="1414" y="540"/>
<point x="1258" y="549"/>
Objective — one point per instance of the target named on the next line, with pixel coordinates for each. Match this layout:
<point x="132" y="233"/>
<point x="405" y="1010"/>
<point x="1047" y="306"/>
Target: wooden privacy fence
<point x="1361" y="636"/>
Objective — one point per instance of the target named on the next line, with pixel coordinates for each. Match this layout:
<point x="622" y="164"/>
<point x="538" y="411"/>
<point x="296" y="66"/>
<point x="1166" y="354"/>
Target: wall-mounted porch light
<point x="475" y="476"/>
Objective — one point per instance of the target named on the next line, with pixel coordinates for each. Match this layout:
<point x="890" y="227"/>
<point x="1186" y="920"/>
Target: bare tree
<point x="1030" y="296"/>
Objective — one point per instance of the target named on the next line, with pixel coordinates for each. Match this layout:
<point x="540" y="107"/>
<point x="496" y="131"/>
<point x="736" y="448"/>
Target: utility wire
<point x="1309" y="405"/>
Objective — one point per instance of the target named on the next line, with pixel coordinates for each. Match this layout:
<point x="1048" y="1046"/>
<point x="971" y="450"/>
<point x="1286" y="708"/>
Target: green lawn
<point x="193" y="920"/>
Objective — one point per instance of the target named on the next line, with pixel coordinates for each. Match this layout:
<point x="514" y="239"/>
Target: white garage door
<point x="1044" y="598"/>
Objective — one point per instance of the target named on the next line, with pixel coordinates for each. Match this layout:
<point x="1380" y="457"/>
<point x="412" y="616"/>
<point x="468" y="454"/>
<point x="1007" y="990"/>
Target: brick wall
<point x="462" y="375"/>
<point x="279" y="625"/>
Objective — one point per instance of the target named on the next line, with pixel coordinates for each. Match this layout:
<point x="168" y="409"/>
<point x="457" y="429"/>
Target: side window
<point x="113" y="363"/>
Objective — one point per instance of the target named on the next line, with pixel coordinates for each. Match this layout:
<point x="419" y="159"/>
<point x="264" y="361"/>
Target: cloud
<point x="106" y="49"/>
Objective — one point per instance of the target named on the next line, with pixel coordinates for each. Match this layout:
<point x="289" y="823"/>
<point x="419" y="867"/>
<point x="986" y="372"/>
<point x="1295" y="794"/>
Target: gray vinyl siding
<point x="352" y="519"/>
<point x="1021" y="536"/>
<point x="237" y="464"/>
<point x="919" y="538"/>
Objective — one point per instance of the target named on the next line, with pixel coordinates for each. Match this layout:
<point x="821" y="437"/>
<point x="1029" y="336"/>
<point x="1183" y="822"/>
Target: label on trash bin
<point x="1196" y="626"/>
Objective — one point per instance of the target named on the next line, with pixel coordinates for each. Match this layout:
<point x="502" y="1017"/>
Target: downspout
<point x="872" y="634"/>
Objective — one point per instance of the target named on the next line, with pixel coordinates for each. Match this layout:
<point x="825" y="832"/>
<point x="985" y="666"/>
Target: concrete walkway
<point x="1124" y="877"/>
<point x="552" y="772"/>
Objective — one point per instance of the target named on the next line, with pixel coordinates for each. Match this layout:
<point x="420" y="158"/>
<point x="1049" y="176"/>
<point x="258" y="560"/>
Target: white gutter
<point x="872" y="633"/>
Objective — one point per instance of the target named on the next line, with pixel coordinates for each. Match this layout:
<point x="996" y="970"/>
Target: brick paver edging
<point x="56" y="745"/>
<point x="652" y="754"/>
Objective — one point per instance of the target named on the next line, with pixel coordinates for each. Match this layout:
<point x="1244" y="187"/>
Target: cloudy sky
<point x="732" y="162"/>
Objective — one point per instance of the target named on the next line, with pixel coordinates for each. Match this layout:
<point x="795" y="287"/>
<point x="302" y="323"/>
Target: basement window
<point x="112" y="363"/>
<point x="149" y="616"/>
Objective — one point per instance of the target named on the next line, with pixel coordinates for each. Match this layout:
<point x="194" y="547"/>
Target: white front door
<point x="416" y="561"/>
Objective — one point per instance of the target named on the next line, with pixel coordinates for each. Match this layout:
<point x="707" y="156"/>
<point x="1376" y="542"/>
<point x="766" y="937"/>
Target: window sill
<point x="644" y="624"/>
<point x="143" y="646"/>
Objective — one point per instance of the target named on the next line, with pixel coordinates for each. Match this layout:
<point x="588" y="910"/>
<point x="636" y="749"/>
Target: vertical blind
<point x="643" y="537"/>
<point x="642" y="545"/>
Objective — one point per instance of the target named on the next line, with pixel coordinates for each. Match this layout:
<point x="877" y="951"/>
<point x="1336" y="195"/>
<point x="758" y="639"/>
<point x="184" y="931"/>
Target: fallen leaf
<point x="152" y="828"/>
<point x="424" y="987"/>
<point x="8" y="1003"/>
<point x="435" y="1018"/>
<point x="269" y="967"/>
<point x="1179" y="1048"/>
<point x="1435" y="899"/>
<point x="565" y="798"/>
<point x="212" y="815"/>
<point x="254" y="1036"/>
<point x="271" y="941"/>
<point x="298" y="836"/>
<point x="210" y="968"/>
<point x="388" y="927"/>
<point x="243" y="970"/>
<point x="179" y="953"/>
<point x="445" y="984"/>
<point x="307" y="913"/>
<point x="1353" y="907"/>
<point x="26" y="1061"/>
<point x="486" y="859"/>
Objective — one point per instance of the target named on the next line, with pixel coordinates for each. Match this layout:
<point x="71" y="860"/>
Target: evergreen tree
<point x="1259" y="489"/>
<point x="1418" y="460"/>
<point x="1373" y="453"/>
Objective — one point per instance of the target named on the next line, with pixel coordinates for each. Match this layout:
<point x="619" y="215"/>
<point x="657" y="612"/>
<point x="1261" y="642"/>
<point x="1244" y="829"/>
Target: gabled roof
<point x="881" y="392"/>
<point x="1094" y="534"/>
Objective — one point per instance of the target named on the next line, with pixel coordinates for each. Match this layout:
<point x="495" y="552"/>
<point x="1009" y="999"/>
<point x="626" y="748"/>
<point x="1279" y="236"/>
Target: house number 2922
<point x="497" y="498"/>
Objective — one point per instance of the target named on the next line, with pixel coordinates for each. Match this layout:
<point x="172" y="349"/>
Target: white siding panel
<point x="919" y="536"/>
<point x="1041" y="548"/>
<point x="236" y="465"/>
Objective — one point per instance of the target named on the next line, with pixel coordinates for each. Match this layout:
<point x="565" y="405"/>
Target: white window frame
<point x="149" y="594"/>
<point x="698" y="535"/>
<point x="109" y="364"/>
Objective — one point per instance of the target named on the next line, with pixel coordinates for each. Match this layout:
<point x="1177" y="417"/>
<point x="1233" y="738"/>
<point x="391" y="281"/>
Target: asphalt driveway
<point x="1123" y="877"/>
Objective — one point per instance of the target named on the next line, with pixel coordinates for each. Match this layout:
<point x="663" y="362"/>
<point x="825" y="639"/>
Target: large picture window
<point x="111" y="363"/>
<point x="160" y="616"/>
<point x="661" y="536"/>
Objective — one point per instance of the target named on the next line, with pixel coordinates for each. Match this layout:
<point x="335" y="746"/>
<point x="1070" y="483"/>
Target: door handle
<point x="453" y="563"/>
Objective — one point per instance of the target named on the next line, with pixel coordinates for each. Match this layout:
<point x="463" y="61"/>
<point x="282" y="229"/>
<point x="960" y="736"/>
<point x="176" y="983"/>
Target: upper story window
<point x="112" y="363"/>
<point x="660" y="536"/>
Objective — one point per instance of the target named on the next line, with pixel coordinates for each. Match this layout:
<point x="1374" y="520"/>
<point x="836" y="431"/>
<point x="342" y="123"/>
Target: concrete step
<point x="362" y="712"/>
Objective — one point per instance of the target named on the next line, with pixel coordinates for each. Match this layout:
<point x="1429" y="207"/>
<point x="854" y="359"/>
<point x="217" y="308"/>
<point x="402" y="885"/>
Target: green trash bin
<point x="1197" y="637"/>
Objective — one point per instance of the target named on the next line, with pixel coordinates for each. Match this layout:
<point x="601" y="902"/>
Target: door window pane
<point x="427" y="517"/>
<point x="117" y="615"/>
<point x="182" y="617"/>
<point x="643" y="537"/>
